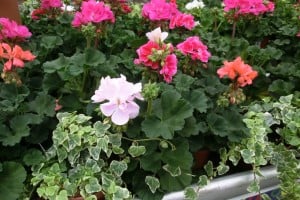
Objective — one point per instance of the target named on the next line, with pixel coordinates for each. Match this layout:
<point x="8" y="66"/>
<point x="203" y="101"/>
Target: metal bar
<point x="230" y="186"/>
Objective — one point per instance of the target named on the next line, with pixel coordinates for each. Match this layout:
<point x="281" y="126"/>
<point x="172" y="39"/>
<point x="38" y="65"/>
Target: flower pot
<point x="99" y="195"/>
<point x="201" y="158"/>
<point x="10" y="9"/>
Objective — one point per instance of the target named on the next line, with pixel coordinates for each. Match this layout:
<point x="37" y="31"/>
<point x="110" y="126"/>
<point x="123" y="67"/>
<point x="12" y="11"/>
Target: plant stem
<point x="151" y="139"/>
<point x="233" y="29"/>
<point x="149" y="107"/>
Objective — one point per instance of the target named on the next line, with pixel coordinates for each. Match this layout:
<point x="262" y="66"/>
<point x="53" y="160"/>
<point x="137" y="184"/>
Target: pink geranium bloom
<point x="170" y="68"/>
<point x="195" y="48"/>
<point x="254" y="7"/>
<point x="159" y="10"/>
<point x="238" y="71"/>
<point x="144" y="53"/>
<point x="182" y="20"/>
<point x="47" y="4"/>
<point x="93" y="12"/>
<point x="119" y="95"/>
<point x="9" y="29"/>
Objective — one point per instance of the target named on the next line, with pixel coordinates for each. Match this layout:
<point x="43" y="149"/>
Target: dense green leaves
<point x="169" y="115"/>
<point x="12" y="177"/>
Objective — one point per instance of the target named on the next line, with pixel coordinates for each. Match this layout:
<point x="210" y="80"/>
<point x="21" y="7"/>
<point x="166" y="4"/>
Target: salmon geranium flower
<point x="238" y="71"/>
<point x="15" y="56"/>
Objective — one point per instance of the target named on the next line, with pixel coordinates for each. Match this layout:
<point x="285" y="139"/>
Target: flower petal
<point x="120" y="117"/>
<point x="108" y="108"/>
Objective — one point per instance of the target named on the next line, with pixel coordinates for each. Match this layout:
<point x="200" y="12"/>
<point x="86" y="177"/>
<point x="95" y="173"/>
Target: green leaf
<point x="151" y="162"/>
<point x="254" y="187"/>
<point x="197" y="99"/>
<point x="203" y="181"/>
<point x="169" y="114"/>
<point x="281" y="87"/>
<point x="174" y="171"/>
<point x="63" y="195"/>
<point x="33" y="157"/>
<point x="100" y="128"/>
<point x="43" y="104"/>
<point x="94" y="57"/>
<point x="183" y="82"/>
<point x="93" y="186"/>
<point x="190" y="194"/>
<point x="153" y="183"/>
<point x="19" y="128"/>
<point x="248" y="155"/>
<point x="50" y="42"/>
<point x="154" y="127"/>
<point x="222" y="169"/>
<point x="118" y="167"/>
<point x="95" y="152"/>
<point x="170" y="183"/>
<point x="209" y="169"/>
<point x="136" y="151"/>
<point x="55" y="65"/>
<point x="12" y="177"/>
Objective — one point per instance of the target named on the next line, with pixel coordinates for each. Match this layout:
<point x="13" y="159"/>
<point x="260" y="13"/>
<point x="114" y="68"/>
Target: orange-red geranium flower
<point x="15" y="56"/>
<point x="238" y="71"/>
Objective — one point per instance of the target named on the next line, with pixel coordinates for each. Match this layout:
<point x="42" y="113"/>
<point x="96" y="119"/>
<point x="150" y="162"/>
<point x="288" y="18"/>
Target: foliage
<point x="51" y="127"/>
<point x="79" y="155"/>
<point x="267" y="121"/>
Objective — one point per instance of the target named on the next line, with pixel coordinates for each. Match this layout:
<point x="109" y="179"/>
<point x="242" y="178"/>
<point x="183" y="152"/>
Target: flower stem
<point x="149" y="107"/>
<point x="151" y="139"/>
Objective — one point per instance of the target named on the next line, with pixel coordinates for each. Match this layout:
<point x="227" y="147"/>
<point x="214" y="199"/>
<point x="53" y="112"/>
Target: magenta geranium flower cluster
<point x="253" y="7"/>
<point x="93" y="12"/>
<point x="160" y="10"/>
<point x="160" y="57"/>
<point x="10" y="30"/>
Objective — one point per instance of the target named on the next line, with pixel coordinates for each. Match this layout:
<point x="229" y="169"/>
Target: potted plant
<point x="81" y="162"/>
<point x="158" y="86"/>
<point x="10" y="9"/>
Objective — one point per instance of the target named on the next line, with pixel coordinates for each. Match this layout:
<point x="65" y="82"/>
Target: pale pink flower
<point x="195" y="48"/>
<point x="119" y="95"/>
<point x="182" y="20"/>
<point x="156" y="35"/>
<point x="94" y="12"/>
<point x="9" y="29"/>
<point x="47" y="4"/>
<point x="170" y="68"/>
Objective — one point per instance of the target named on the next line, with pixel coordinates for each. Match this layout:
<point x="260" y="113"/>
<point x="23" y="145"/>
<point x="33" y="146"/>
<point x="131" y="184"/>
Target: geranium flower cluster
<point x="15" y="56"/>
<point x="47" y="4"/>
<point x="240" y="73"/>
<point x="47" y="7"/>
<point x="92" y="12"/>
<point x="119" y="6"/>
<point x="157" y="55"/>
<point x="119" y="96"/>
<point x="10" y="30"/>
<point x="193" y="47"/>
<point x="160" y="10"/>
<point x="253" y="7"/>
<point x="160" y="57"/>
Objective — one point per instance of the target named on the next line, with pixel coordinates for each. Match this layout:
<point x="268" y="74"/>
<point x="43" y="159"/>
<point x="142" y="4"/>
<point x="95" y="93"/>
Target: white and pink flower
<point x="118" y="96"/>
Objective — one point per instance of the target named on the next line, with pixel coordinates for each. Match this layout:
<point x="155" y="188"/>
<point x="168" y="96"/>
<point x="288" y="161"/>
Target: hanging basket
<point x="10" y="9"/>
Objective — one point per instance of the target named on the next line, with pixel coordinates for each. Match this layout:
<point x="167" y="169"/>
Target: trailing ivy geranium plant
<point x="116" y="97"/>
